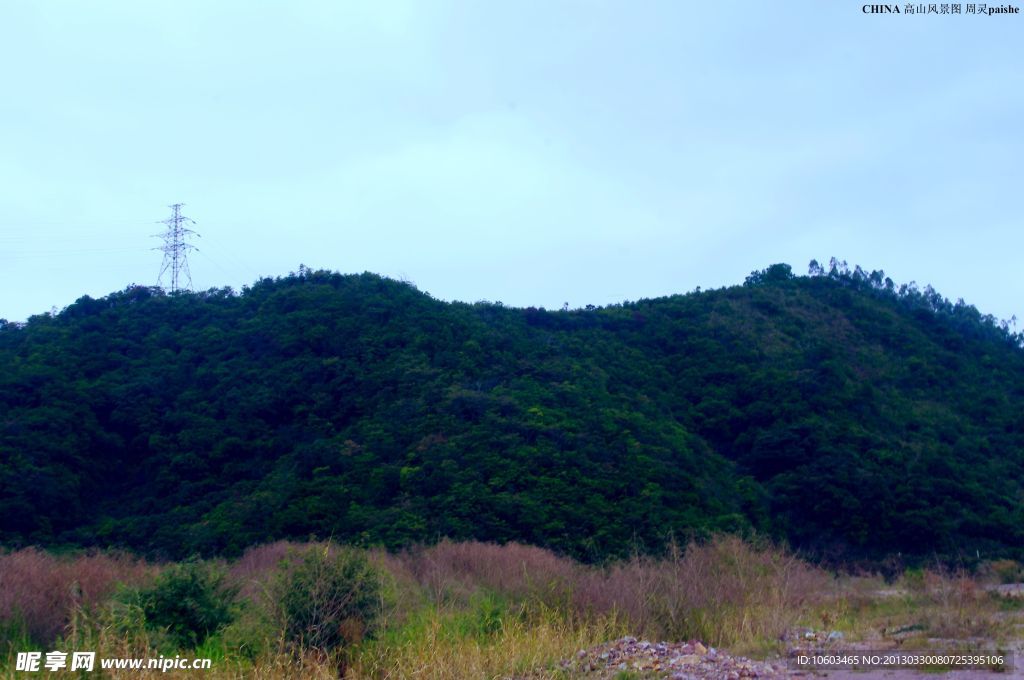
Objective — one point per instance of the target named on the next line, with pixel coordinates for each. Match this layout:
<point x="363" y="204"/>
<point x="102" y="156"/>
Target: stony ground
<point x="677" y="661"/>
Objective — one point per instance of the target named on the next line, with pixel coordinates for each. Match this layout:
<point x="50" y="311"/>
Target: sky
<point x="529" y="152"/>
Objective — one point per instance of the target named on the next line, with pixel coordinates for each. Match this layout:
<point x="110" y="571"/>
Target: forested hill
<point x="850" y="416"/>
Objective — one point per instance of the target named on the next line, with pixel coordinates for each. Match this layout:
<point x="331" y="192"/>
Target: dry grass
<point x="954" y="605"/>
<point x="254" y="570"/>
<point x="440" y="648"/>
<point x="40" y="590"/>
<point x="725" y="591"/>
<point x="479" y="610"/>
<point x="451" y="570"/>
<point x="923" y="607"/>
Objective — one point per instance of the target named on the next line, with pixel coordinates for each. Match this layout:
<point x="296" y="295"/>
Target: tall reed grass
<point x="39" y="592"/>
<point x="480" y="610"/>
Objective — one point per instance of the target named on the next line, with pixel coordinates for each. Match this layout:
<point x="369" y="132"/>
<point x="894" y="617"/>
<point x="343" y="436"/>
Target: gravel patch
<point x="674" y="660"/>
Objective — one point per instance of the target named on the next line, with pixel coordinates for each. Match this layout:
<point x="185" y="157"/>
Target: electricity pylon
<point x="175" y="249"/>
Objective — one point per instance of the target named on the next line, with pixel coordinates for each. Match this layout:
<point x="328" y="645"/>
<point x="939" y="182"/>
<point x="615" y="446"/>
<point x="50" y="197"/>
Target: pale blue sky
<point x="528" y="152"/>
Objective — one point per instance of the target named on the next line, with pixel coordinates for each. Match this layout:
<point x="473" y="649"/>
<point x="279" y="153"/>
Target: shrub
<point x="188" y="601"/>
<point x="252" y="634"/>
<point x="329" y="598"/>
<point x="1003" y="571"/>
<point x="724" y="591"/>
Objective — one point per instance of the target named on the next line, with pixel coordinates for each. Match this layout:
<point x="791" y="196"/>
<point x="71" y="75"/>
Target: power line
<point x="228" y="256"/>
<point x="175" y="249"/>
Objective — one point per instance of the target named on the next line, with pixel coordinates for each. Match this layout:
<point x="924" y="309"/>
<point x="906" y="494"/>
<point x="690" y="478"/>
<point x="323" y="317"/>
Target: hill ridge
<point x="845" y="414"/>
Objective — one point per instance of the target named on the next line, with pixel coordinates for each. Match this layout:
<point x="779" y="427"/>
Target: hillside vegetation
<point x="851" y="417"/>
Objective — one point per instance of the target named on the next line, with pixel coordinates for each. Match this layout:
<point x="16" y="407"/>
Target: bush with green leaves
<point x="1004" y="571"/>
<point x="188" y="602"/>
<point x="329" y="598"/>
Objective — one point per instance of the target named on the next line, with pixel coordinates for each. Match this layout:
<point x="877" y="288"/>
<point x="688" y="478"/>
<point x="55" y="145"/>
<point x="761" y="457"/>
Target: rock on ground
<point x="677" y="661"/>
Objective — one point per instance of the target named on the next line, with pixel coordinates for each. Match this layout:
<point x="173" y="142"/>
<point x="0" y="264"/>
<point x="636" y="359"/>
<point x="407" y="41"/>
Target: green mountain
<point x="851" y="417"/>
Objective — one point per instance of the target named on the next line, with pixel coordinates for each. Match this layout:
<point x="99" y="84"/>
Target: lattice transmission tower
<point x="175" y="249"/>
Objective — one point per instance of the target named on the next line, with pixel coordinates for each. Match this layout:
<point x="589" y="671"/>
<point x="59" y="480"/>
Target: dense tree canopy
<point x="853" y="417"/>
